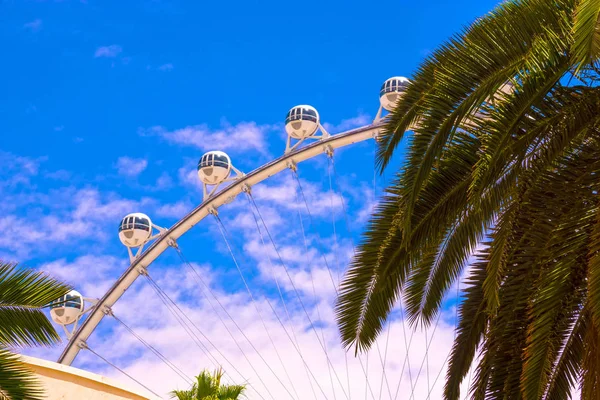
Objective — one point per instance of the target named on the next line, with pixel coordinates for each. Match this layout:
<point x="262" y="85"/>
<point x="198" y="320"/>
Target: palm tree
<point x="208" y="387"/>
<point x="23" y="293"/>
<point x="505" y="153"/>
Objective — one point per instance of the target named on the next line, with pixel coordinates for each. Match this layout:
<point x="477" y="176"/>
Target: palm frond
<point x="471" y="328"/>
<point x="22" y="287"/>
<point x="25" y="327"/>
<point x="586" y="32"/>
<point x="16" y="381"/>
<point x="566" y="369"/>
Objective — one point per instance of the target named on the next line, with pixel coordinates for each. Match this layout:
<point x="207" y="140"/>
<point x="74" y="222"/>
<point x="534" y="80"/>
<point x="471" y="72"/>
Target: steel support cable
<point x="294" y="341"/>
<point x="224" y="233"/>
<point x="455" y="329"/>
<point x="295" y="174"/>
<point x="157" y="353"/>
<point x="188" y="329"/>
<point x="287" y="272"/>
<point x="427" y="361"/>
<point x="295" y="291"/>
<point x="312" y="281"/>
<point x="199" y="279"/>
<point x="387" y="339"/>
<point x="199" y="342"/>
<point x="426" y="357"/>
<point x="337" y="266"/>
<point x="407" y="348"/>
<point x="366" y="389"/>
<point x="123" y="372"/>
<point x="346" y="219"/>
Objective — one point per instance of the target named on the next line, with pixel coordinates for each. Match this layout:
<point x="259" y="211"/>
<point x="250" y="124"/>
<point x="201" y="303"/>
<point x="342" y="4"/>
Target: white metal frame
<point x="140" y="250"/>
<point x="238" y="175"/>
<point x="324" y="135"/>
<point x="167" y="237"/>
<point x="93" y="303"/>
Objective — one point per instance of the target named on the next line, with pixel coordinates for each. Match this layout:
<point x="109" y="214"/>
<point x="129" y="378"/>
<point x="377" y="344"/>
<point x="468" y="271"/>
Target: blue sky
<point x="108" y="105"/>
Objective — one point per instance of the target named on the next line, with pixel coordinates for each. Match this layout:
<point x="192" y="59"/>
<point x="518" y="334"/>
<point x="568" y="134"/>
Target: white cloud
<point x="17" y="171"/>
<point x="34" y="26"/>
<point x="347" y="124"/>
<point x="240" y="138"/>
<point x="156" y="325"/>
<point x="86" y="213"/>
<point x="175" y="210"/>
<point x="164" y="181"/>
<point x="75" y="215"/>
<point x="131" y="167"/>
<point x="108" y="51"/>
<point x="91" y="275"/>
<point x="59" y="175"/>
<point x="283" y="192"/>
<point x="166" y="67"/>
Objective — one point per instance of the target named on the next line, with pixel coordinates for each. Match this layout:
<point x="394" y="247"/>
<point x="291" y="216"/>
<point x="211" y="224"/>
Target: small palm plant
<point x="208" y="387"/>
<point x="23" y="294"/>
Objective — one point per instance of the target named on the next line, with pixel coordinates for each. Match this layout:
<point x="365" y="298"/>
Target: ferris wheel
<point x="221" y="184"/>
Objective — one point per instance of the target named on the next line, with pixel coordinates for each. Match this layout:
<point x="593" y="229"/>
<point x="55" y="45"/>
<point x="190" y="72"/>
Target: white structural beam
<point x="186" y="223"/>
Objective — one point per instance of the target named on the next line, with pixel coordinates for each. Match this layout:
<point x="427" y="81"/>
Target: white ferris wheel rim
<point x="169" y="236"/>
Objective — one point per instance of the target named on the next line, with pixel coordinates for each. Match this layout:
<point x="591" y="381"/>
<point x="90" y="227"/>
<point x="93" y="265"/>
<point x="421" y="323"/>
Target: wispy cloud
<point x="164" y="181"/>
<point x="409" y="370"/>
<point x="73" y="214"/>
<point x="97" y="278"/>
<point x="86" y="214"/>
<point x="166" y="67"/>
<point x="81" y="216"/>
<point x="108" y="51"/>
<point x="240" y="138"/>
<point x="17" y="170"/>
<point x="34" y="26"/>
<point x="350" y="123"/>
<point x="131" y="167"/>
<point x="175" y="210"/>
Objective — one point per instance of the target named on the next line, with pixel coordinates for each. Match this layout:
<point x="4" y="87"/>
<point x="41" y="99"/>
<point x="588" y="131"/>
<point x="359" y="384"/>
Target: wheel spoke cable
<point x="295" y="174"/>
<point x="294" y="341"/>
<point x="347" y="221"/>
<point x="186" y="327"/>
<point x="157" y="353"/>
<point x="201" y="281"/>
<point x="169" y="301"/>
<point x="293" y="285"/>
<point x="387" y="339"/>
<point x="225" y="235"/>
<point x="337" y="266"/>
<point x="407" y="346"/>
<point x="455" y="329"/>
<point x="318" y="308"/>
<point x="121" y="371"/>
<point x="425" y="357"/>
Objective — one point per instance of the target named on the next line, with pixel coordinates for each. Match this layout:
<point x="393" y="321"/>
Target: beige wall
<point x="67" y="383"/>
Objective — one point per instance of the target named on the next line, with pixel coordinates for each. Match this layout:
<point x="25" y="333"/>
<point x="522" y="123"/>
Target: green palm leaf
<point x="23" y="293"/>
<point x="27" y="288"/>
<point x="516" y="165"/>
<point x="16" y="381"/>
<point x="208" y="387"/>
<point x="586" y="32"/>
<point x="25" y="327"/>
